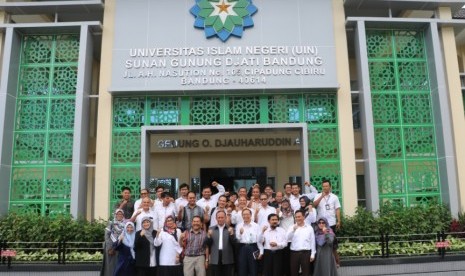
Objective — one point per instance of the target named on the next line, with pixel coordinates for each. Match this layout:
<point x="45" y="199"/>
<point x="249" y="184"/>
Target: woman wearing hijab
<point x="307" y="208"/>
<point x="144" y="249"/>
<point x="126" y="255"/>
<point x="112" y="232"/>
<point x="168" y="239"/>
<point x="325" y="264"/>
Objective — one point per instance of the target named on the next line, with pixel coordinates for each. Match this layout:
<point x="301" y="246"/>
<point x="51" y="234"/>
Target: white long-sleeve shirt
<point x="262" y="215"/>
<point x="149" y="213"/>
<point x="277" y="235"/>
<point x="163" y="212"/>
<point x="236" y="216"/>
<point x="213" y="200"/>
<point x="250" y="235"/>
<point x="303" y="238"/>
<point x="169" y="247"/>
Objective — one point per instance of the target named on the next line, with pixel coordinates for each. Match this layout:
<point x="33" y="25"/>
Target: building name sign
<point x="206" y="66"/>
<point x="228" y="143"/>
<point x="264" y="45"/>
<point x="252" y="141"/>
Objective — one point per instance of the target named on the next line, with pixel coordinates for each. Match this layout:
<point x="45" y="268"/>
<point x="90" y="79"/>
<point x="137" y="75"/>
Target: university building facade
<point x="98" y="95"/>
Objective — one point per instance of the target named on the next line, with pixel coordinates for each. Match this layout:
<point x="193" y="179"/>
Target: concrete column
<point x="104" y="120"/>
<point x="454" y="157"/>
<point x="81" y="124"/>
<point x="366" y="118"/>
<point x="344" y="108"/>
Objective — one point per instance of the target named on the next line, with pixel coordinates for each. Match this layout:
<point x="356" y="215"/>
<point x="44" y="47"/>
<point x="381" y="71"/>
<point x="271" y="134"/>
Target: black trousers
<point x="246" y="261"/>
<point x="221" y="269"/>
<point x="146" y="271"/>
<point x="273" y="262"/>
<point x="300" y="259"/>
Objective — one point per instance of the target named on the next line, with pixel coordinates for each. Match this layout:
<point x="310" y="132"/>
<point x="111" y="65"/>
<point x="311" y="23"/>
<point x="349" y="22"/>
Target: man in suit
<point x="221" y="239"/>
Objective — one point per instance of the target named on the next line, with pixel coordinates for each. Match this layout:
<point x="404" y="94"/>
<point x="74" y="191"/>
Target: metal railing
<point x="61" y="252"/>
<point x="392" y="245"/>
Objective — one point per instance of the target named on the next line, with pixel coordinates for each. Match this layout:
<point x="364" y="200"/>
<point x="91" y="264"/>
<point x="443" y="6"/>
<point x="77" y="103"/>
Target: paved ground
<point x="453" y="268"/>
<point x="441" y="268"/>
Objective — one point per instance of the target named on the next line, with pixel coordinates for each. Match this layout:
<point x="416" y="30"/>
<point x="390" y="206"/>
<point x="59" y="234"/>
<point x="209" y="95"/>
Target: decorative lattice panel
<point x="165" y="111"/>
<point x="412" y="76"/>
<point x="379" y="44"/>
<point x="27" y="184"/>
<point x="45" y="111"/>
<point x="320" y="109"/>
<point x="320" y="171"/>
<point x="284" y="109"/>
<point x="391" y="178"/>
<point x="409" y="44"/>
<point x="60" y="148"/>
<point x="205" y="111"/>
<point x="124" y="177"/>
<point x="382" y="76"/>
<point x="34" y="81"/>
<point x="29" y="148"/>
<point x="64" y="80"/>
<point x="37" y="49"/>
<point x="402" y="115"/>
<point x="416" y="109"/>
<point x="387" y="141"/>
<point x="58" y="183"/>
<point x="323" y="143"/>
<point x="62" y="114"/>
<point x="67" y="48"/>
<point x="126" y="147"/>
<point x="387" y="108"/>
<point x="32" y="114"/>
<point x="244" y="110"/>
<point x="128" y="112"/>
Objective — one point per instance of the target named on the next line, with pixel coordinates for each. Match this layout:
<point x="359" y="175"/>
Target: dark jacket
<point x="142" y="249"/>
<point x="228" y="242"/>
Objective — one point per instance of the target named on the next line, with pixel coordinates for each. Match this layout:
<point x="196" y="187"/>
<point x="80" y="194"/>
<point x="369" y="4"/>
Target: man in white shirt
<point x="247" y="234"/>
<point x="165" y="210"/>
<point x="303" y="249"/>
<point x="254" y="201"/>
<point x="310" y="192"/>
<point x="145" y="211"/>
<point x="221" y="239"/>
<point x="158" y="191"/>
<point x="208" y="201"/>
<point x="274" y="239"/>
<point x="181" y="201"/>
<point x="222" y="200"/>
<point x="242" y="192"/>
<point x="143" y="194"/>
<point x="236" y="216"/>
<point x="261" y="214"/>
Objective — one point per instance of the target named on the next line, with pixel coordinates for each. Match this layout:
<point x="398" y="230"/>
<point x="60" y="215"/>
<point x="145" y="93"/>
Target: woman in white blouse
<point x="169" y="239"/>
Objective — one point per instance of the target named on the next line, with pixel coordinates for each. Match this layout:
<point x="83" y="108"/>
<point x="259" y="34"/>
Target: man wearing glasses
<point x="262" y="213"/>
<point x="143" y="194"/>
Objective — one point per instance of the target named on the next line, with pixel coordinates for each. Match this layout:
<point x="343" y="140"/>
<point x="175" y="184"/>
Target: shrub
<point x="395" y="220"/>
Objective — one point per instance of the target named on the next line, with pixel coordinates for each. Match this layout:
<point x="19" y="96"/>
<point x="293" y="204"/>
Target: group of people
<point x="250" y="232"/>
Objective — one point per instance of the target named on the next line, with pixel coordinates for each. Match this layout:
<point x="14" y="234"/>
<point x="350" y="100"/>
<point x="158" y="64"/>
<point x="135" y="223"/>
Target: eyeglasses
<point x="263" y="198"/>
<point x="143" y="193"/>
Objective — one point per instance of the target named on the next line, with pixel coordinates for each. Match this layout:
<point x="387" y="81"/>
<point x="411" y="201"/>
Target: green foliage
<point x="395" y="220"/>
<point x="33" y="228"/>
